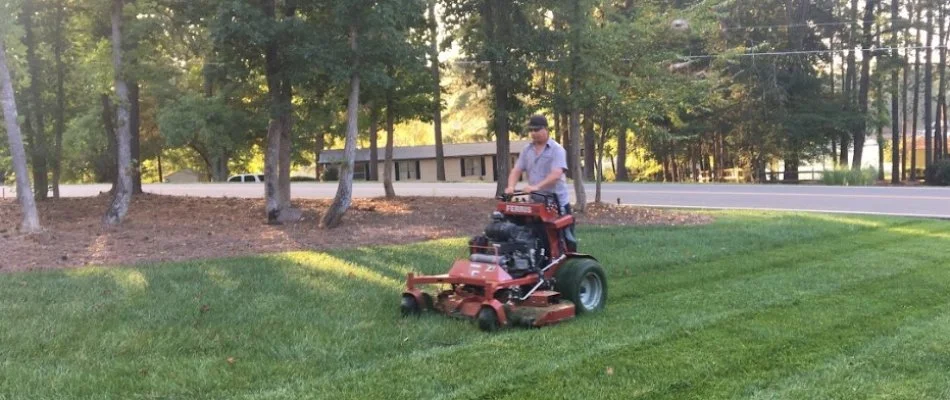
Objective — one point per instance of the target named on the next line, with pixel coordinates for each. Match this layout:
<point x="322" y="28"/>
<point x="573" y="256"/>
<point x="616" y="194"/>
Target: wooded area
<point x="123" y="90"/>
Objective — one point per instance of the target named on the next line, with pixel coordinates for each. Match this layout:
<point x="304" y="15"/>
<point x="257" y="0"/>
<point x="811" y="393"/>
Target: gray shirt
<point x="539" y="166"/>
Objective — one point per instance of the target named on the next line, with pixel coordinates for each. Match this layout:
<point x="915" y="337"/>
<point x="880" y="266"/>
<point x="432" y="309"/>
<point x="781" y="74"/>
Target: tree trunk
<point x="283" y="181"/>
<point x="373" y="142"/>
<point x="31" y="219"/>
<point x="344" y="194"/>
<point x="390" y="137"/>
<point x="913" y="137"/>
<point x="108" y="164"/>
<point x="860" y="132"/>
<point x="500" y="88"/>
<point x="622" y="175"/>
<point x="879" y="106"/>
<point x="388" y="162"/>
<point x="135" y="130"/>
<point x="161" y="173"/>
<point x="790" y="174"/>
<point x="123" y="192"/>
<point x="600" y="160"/>
<point x="320" y="143"/>
<point x="895" y="102"/>
<point x="35" y="110"/>
<point x="60" y="112"/>
<point x="277" y="152"/>
<point x="942" y="89"/>
<point x="928" y="91"/>
<point x="566" y="138"/>
<point x="590" y="151"/>
<point x="437" y="94"/>
<point x="849" y="79"/>
<point x="580" y="195"/>
<point x="904" y="89"/>
<point x="220" y="170"/>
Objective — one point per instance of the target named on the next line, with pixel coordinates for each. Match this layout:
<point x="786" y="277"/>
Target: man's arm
<point x="516" y="172"/>
<point x="513" y="179"/>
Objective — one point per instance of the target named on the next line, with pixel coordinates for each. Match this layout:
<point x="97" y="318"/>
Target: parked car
<point x="246" y="178"/>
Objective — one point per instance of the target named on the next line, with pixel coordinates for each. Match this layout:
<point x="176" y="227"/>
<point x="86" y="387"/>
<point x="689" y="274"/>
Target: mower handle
<point x="547" y="197"/>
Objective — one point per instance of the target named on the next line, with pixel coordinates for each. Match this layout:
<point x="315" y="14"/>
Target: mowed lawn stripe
<point x="692" y="307"/>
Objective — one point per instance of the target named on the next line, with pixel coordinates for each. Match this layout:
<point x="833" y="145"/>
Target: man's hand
<point x="509" y="190"/>
<point x="529" y="189"/>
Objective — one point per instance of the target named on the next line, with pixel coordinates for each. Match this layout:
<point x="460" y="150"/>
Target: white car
<point x="246" y="178"/>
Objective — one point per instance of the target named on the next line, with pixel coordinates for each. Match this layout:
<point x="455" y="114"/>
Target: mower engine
<point x="518" y="248"/>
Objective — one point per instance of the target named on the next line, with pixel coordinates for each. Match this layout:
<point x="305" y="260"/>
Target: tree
<point x="123" y="191"/>
<point x="895" y="87"/>
<point x="436" y="92"/>
<point x="59" y="116"/>
<point x="860" y="131"/>
<point x="387" y="61"/>
<point x="913" y="137"/>
<point x="242" y="33"/>
<point x="499" y="36"/>
<point x="928" y="88"/>
<point x="35" y="115"/>
<point x="31" y="220"/>
<point x="344" y="194"/>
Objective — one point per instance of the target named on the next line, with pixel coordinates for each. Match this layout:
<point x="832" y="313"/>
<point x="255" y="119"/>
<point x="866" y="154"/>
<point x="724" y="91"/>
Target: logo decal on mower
<point x="475" y="269"/>
<point x="518" y="209"/>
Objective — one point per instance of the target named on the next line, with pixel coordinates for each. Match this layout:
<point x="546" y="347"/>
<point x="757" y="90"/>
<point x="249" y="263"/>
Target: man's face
<point x="539" y="136"/>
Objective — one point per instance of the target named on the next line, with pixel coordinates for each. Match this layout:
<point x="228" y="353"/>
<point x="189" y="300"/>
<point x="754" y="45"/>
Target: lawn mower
<point x="522" y="271"/>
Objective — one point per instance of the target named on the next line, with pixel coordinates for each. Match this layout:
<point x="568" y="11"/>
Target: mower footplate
<point x="540" y="309"/>
<point x="535" y="316"/>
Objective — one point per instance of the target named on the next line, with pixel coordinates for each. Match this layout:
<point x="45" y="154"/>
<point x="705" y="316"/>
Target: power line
<point x="804" y="25"/>
<point x="780" y="53"/>
<point x="754" y="54"/>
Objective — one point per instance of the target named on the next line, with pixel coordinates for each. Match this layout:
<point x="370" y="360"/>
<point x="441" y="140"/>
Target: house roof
<point x="425" y="152"/>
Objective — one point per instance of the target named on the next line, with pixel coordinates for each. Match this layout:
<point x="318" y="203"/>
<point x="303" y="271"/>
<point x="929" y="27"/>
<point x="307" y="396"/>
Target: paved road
<point x="912" y="201"/>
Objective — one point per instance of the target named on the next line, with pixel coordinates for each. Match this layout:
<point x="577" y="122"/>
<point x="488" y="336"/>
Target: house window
<point x="360" y="171"/>
<point x="473" y="166"/>
<point x="407" y="170"/>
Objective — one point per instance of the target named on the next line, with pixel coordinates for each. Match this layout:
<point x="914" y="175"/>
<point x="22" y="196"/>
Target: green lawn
<point x="756" y="305"/>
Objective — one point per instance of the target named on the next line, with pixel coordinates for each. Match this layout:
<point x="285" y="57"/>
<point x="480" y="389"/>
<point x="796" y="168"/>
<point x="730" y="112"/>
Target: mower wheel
<point x="409" y="306"/>
<point x="583" y="282"/>
<point x="488" y="319"/>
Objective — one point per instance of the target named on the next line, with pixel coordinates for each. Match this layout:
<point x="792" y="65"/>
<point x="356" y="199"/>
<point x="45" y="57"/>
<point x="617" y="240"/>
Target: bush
<point x="938" y="173"/>
<point x="849" y="177"/>
<point x="331" y="174"/>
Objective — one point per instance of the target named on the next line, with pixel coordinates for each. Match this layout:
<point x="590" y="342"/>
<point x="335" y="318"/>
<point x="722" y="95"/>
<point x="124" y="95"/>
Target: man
<point x="545" y="162"/>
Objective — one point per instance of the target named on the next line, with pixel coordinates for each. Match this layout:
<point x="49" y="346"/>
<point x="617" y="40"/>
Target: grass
<point x="845" y="176"/>
<point x="756" y="305"/>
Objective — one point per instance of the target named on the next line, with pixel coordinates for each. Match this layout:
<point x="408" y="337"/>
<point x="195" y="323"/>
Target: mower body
<point x="515" y="271"/>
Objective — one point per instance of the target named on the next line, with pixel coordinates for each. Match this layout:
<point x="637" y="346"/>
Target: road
<point x="909" y="201"/>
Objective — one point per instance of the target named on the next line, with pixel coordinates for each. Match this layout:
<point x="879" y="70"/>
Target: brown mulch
<point x="166" y="228"/>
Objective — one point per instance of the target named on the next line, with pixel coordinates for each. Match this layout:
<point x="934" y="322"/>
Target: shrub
<point x="938" y="173"/>
<point x="331" y="173"/>
<point x="849" y="177"/>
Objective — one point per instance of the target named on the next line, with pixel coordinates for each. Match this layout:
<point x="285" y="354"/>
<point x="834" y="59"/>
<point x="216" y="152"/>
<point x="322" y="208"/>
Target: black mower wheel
<point x="488" y="319"/>
<point x="583" y="282"/>
<point x="409" y="306"/>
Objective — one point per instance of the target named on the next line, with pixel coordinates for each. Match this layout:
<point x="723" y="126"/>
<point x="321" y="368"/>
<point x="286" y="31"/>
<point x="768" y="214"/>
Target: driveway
<point x="908" y="201"/>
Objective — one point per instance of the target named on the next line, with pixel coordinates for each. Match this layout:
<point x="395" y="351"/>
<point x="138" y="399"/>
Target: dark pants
<point x="569" y="231"/>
